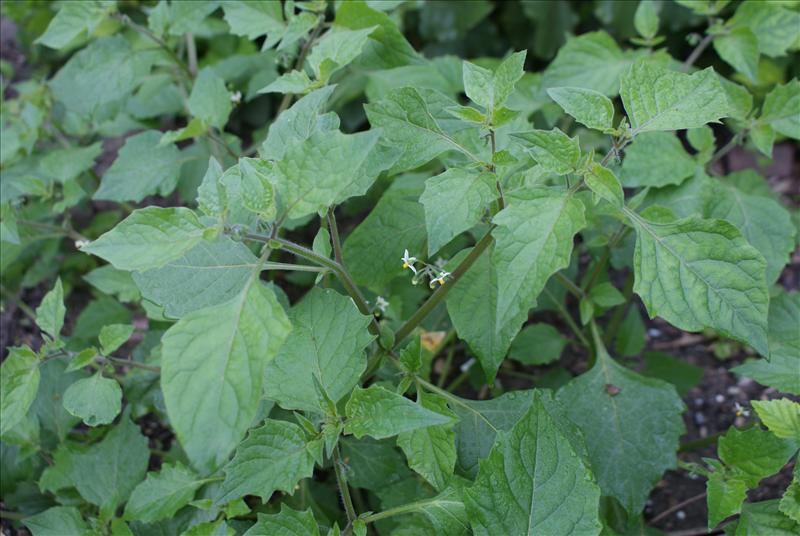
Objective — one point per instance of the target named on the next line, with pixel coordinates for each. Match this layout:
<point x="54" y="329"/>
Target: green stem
<point x="567" y="283"/>
<point x="53" y="228"/>
<point x="728" y="147"/>
<point x="301" y="59"/>
<point x="334" y="230"/>
<point x="442" y="291"/>
<point x="13" y="516"/>
<point x="448" y="361"/>
<point x="130" y="363"/>
<point x="693" y="57"/>
<point x="619" y="312"/>
<point x="699" y="443"/>
<point x="341" y="480"/>
<point x="191" y="53"/>
<point x="30" y="313"/>
<point x="568" y="319"/>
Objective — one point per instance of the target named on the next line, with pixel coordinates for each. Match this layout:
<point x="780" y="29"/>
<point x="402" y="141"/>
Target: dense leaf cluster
<point x="317" y="209"/>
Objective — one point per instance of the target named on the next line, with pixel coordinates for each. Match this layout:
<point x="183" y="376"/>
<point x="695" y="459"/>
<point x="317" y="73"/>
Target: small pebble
<point x="699" y="418"/>
<point x="719" y="399"/>
<point x="733" y="390"/>
<point x="653" y="332"/>
<point x="699" y="402"/>
<point x="467" y="364"/>
<point x="703" y="431"/>
<point x="680" y="514"/>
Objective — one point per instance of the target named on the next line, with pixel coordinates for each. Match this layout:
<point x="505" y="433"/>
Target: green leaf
<point x="50" y="313"/>
<point x="765" y="517"/>
<point x="109" y="470"/>
<point x="72" y="20"/>
<point x="273" y="457"/>
<point x="763" y="137"/>
<point x="591" y="61"/>
<point x="782" y="417"/>
<point x="534" y="238"/>
<point x="454" y="202"/>
<point x="656" y="98"/>
<point x="492" y="89"/>
<point x="762" y="221"/>
<point x="552" y="149"/>
<point x="373" y="465"/>
<point x="113" y="336"/>
<point x="605" y="184"/>
<point x="754" y="453"/>
<point x="299" y="123"/>
<point x="533" y="482"/>
<point x="380" y="413"/>
<point x="287" y="522"/>
<point x="326" y="169"/>
<point x="57" y="521"/>
<point x="254" y="19"/>
<point x="326" y="344"/>
<point x="143" y="167"/>
<point x="790" y="502"/>
<point x="210" y="101"/>
<point x="587" y="106"/>
<point x="779" y="107"/>
<point x="19" y="378"/>
<point x="646" y="18"/>
<point x="67" y="164"/>
<point x="684" y="376"/>
<point x="148" y="238"/>
<point x="117" y="283"/>
<point x="702" y="139"/>
<point x="700" y="274"/>
<point x="725" y="497"/>
<point x="409" y="124"/>
<point x="257" y="192"/>
<point x="431" y="451"/>
<point x="96" y="400"/>
<point x="606" y="295"/>
<point x="297" y="82"/>
<point x="656" y="159"/>
<point x="213" y="364"/>
<point x="211" y="197"/>
<point x="538" y="344"/>
<point x="632" y="425"/>
<point x="210" y="273"/>
<point x="774" y="26"/>
<point x="162" y="493"/>
<point x="337" y="49"/>
<point x="739" y="48"/>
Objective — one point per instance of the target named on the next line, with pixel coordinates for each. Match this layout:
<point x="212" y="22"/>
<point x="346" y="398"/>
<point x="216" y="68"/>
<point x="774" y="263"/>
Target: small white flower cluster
<point x="236" y="97"/>
<point x="741" y="411"/>
<point x="81" y="243"/>
<point x="435" y="273"/>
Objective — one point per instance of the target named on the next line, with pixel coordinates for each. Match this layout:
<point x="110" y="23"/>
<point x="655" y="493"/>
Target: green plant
<point x="278" y="348"/>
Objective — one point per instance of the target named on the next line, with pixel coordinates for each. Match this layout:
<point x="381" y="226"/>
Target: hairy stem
<point x="344" y="490"/>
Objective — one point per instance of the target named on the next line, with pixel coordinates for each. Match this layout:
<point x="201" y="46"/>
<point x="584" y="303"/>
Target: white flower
<point x="440" y="279"/>
<point x="381" y="304"/>
<point x="408" y="262"/>
<point x="236" y="97"/>
<point x="740" y="411"/>
<point x="81" y="243"/>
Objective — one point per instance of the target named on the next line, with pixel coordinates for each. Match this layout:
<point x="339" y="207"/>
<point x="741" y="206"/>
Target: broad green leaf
<point x="656" y="98"/>
<point x="162" y="493"/>
<point x="684" y="376"/>
<point x="109" y="470"/>
<point x="790" y="502"/>
<point x="409" y="124"/>
<point x="591" y="61"/>
<point x="188" y="17"/>
<point x="780" y="109"/>
<point x="774" y="26"/>
<point x="148" y="238"/>
<point x="48" y="405"/>
<point x="57" y="521"/>
<point x="646" y="18"/>
<point x="211" y="197"/>
<point x="534" y="238"/>
<point x="431" y="451"/>
<point x="257" y="192"/>
<point x="740" y="100"/>
<point x="380" y="413"/>
<point x="704" y="7"/>
<point x="754" y="453"/>
<point x="605" y="184"/>
<point x="212" y="373"/>
<point x="702" y="139"/>
<point x="537" y="344"/>
<point x="273" y="457"/>
<point x="254" y="19"/>
<point x="210" y="528"/>
<point x="143" y="167"/>
<point x="96" y="400"/>
<point x="326" y="169"/>
<point x="210" y="101"/>
<point x="374" y="261"/>
<point x="210" y="273"/>
<point x="113" y="336"/>
<point x="64" y="165"/>
<point x="296" y="82"/>
<point x="287" y="522"/>
<point x="454" y="202"/>
<point x="327" y="343"/>
<point x="117" y="283"/>
<point x="50" y="313"/>
<point x="337" y="49"/>
<point x="762" y="221"/>
<point x="632" y="425"/>
<point x="19" y="379"/>
<point x="781" y="417"/>
<point x="373" y="464"/>
<point x="725" y="497"/>
<point x="533" y="482"/>
<point x="492" y="89"/>
<point x="765" y="517"/>
<point x="552" y="149"/>
<point x="739" y="48"/>
<point x="587" y="106"/>
<point x="72" y="20"/>
<point x="299" y="122"/>
<point x="700" y="274"/>
<point x="763" y="137"/>
<point x="656" y="159"/>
